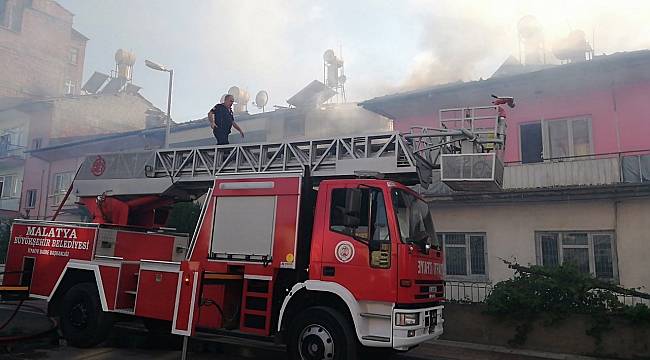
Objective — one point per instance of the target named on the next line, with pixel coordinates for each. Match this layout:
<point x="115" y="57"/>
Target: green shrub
<point x="558" y="292"/>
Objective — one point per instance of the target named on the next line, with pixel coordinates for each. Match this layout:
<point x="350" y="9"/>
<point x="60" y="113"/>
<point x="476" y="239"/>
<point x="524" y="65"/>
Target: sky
<point x="277" y="45"/>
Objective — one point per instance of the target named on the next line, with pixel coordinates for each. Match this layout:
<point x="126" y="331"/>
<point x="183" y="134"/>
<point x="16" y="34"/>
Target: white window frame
<point x="73" y="60"/>
<point x="70" y="87"/>
<point x="468" y="257"/>
<point x="13" y="183"/>
<point x="57" y="193"/>
<point x="15" y="140"/>
<point x="589" y="247"/>
<point x="546" y="137"/>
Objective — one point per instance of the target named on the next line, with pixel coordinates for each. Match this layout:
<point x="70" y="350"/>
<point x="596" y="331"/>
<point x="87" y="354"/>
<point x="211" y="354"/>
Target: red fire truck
<point x="318" y="244"/>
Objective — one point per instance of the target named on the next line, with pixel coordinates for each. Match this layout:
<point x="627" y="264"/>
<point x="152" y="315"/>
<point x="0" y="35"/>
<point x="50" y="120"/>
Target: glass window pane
<point x="380" y="225"/>
<point x="455" y="239"/>
<point x="603" y="256"/>
<point x="580" y="137"/>
<point x="579" y="257"/>
<point x="575" y="239"/>
<point x="550" y="254"/>
<point x="456" y="261"/>
<point x="344" y="221"/>
<point x="558" y="138"/>
<point x="477" y="254"/>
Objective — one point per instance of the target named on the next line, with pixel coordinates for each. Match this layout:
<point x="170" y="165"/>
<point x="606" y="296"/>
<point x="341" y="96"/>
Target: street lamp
<point x="158" y="67"/>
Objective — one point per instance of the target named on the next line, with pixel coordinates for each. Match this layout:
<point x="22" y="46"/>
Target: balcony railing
<point x="601" y="169"/>
<point x="563" y="173"/>
<point x="9" y="151"/>
<point x="590" y="170"/>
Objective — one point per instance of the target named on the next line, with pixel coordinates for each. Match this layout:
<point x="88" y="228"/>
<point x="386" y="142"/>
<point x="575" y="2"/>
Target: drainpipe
<point x="616" y="119"/>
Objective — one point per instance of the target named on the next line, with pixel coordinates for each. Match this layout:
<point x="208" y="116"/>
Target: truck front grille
<point x="429" y="289"/>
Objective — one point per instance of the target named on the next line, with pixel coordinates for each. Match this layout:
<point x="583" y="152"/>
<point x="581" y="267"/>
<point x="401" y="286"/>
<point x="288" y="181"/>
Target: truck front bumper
<point x="428" y="328"/>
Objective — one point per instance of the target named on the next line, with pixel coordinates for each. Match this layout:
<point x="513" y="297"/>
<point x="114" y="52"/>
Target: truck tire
<point x="83" y="322"/>
<point x="321" y="333"/>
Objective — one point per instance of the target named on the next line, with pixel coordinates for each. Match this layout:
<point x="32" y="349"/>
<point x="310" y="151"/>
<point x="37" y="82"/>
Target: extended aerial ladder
<point x="465" y="148"/>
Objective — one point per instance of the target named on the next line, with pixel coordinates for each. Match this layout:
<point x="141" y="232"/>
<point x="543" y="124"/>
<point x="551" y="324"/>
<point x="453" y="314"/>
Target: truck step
<point x="129" y="311"/>
<point x="130" y="292"/>
<point x="376" y="338"/>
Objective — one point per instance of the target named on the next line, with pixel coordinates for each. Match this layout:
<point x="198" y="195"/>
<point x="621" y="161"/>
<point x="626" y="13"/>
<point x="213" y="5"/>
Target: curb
<point x="506" y="350"/>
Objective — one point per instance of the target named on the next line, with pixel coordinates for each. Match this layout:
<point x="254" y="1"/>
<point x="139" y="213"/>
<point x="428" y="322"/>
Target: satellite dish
<point x="261" y="99"/>
<point x="329" y="56"/>
<point x="235" y="92"/>
<point x="342" y="79"/>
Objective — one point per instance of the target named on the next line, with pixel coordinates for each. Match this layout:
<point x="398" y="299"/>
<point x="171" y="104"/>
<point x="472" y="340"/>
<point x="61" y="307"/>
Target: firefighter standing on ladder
<point x="222" y="120"/>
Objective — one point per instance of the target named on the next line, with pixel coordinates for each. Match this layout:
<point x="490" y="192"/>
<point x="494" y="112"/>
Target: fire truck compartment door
<point x="244" y="225"/>
<point x="186" y="294"/>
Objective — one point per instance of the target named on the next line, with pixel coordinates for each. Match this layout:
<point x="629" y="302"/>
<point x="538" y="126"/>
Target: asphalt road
<point x="129" y="341"/>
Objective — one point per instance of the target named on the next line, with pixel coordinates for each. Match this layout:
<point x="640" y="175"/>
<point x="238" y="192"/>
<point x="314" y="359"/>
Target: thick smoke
<point x="464" y="40"/>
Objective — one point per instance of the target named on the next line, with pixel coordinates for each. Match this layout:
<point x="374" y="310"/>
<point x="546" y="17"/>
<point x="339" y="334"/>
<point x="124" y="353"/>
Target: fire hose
<point x="21" y="305"/>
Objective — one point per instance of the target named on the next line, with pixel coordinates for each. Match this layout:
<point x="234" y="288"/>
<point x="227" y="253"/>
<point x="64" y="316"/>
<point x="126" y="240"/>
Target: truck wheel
<point x="83" y="322"/>
<point x="321" y="333"/>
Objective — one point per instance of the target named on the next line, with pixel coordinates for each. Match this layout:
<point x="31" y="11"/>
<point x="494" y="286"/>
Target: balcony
<point x="593" y="170"/>
<point x="12" y="155"/>
<point x="9" y="203"/>
<point x="579" y="171"/>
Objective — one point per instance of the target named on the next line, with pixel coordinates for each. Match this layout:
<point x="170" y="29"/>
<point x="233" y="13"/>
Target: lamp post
<point x="158" y="67"/>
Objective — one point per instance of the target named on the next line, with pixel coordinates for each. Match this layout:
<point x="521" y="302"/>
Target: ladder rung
<point x="254" y="312"/>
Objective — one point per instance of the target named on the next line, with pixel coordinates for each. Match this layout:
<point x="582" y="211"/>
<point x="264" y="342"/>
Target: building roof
<point x="622" y="67"/>
<point x="11" y="103"/>
<point x="77" y="35"/>
<point x="98" y="143"/>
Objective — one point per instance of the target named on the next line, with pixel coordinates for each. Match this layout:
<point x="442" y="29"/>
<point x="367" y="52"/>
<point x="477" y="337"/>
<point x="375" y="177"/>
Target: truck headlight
<point x="407" y="319"/>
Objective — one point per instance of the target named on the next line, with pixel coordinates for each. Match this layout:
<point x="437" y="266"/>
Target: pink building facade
<point x="594" y="107"/>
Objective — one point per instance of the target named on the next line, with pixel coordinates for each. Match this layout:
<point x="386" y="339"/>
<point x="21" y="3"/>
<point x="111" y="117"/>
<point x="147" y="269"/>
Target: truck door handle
<point x="328" y="271"/>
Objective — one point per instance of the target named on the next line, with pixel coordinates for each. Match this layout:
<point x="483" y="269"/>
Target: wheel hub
<point x="79" y="315"/>
<point x="316" y="343"/>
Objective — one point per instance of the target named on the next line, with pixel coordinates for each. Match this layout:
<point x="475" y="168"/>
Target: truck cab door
<point x="357" y="250"/>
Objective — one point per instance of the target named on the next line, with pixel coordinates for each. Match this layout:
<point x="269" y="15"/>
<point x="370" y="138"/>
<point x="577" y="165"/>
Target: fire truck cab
<point x="318" y="244"/>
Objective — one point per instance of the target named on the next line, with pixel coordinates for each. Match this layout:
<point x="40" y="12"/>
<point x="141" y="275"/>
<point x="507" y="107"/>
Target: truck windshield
<point x="414" y="219"/>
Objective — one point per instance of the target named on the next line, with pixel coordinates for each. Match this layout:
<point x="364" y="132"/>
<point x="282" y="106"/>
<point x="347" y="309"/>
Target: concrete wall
<point x="468" y="323"/>
<point x="34" y="58"/>
<point x="510" y="230"/>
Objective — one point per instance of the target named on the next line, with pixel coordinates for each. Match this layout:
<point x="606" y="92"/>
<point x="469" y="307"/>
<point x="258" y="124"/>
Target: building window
<point x="555" y="139"/>
<point x="3" y="12"/>
<point x="30" y="198"/>
<point x="465" y="255"/>
<point x="11" y="141"/>
<point x="36" y="143"/>
<point x="591" y="252"/>
<point x="62" y="182"/>
<point x="69" y="87"/>
<point x="8" y="186"/>
<point x="74" y="56"/>
<point x="11" y="15"/>
<point x="567" y="137"/>
<point x="532" y="150"/>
